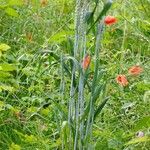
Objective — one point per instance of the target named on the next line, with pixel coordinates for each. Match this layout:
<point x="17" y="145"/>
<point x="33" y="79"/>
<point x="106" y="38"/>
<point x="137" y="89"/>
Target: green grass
<point x="35" y="82"/>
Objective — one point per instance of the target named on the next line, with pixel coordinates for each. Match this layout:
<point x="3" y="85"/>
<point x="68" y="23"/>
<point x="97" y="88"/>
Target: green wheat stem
<point x="74" y="105"/>
<point x="80" y="101"/>
<point x="97" y="48"/>
<point x="62" y="87"/>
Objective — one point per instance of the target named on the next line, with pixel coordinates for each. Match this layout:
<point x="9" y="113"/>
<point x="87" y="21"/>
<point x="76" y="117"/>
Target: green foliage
<point x="11" y="12"/>
<point x="36" y="61"/>
<point x="138" y="140"/>
<point x="4" y="47"/>
<point x="7" y="7"/>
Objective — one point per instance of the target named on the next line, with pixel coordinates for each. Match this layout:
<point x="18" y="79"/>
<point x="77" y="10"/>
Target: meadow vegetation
<point x="64" y="86"/>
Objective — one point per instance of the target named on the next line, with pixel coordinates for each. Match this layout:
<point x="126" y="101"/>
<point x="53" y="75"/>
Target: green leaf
<point x="11" y="12"/>
<point x="30" y="138"/>
<point x="4" y="75"/>
<point x="2" y="104"/>
<point x="142" y="87"/>
<point x="60" y="36"/>
<point x="3" y="4"/>
<point x="97" y="92"/>
<point x="14" y="146"/>
<point x="142" y="123"/>
<point x="138" y="140"/>
<point x="100" y="107"/>
<point x="89" y="17"/>
<point x="7" y="67"/>
<point x="6" y="88"/>
<point x="65" y="132"/>
<point x="4" y="47"/>
<point x="15" y="3"/>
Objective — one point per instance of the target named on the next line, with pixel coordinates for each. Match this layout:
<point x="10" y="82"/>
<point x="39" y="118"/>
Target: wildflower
<point x="44" y="2"/>
<point x="43" y="127"/>
<point x="122" y="80"/>
<point x="86" y="61"/>
<point x="26" y="2"/>
<point x="29" y="36"/>
<point x="140" y="134"/>
<point x="109" y="20"/>
<point x="20" y="116"/>
<point x="135" y="70"/>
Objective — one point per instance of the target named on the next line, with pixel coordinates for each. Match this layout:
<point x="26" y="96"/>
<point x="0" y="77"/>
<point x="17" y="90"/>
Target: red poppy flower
<point x="122" y="80"/>
<point x="86" y="61"/>
<point x="135" y="70"/>
<point x="109" y="20"/>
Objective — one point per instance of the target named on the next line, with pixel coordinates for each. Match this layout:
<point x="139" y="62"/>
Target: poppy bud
<point x="135" y="70"/>
<point x="122" y="80"/>
<point x="109" y="20"/>
<point x="86" y="61"/>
